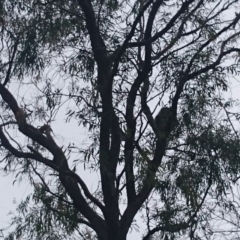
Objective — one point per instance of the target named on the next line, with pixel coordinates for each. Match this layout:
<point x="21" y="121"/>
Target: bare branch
<point x="170" y="24"/>
<point x="9" y="71"/>
<point x="119" y="52"/>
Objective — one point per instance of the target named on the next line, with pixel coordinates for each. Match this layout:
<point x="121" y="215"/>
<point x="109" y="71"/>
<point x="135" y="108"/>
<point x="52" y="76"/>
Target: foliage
<point x="148" y="81"/>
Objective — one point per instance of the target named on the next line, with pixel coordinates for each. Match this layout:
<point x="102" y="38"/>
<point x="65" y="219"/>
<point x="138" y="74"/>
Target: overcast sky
<point x="10" y="194"/>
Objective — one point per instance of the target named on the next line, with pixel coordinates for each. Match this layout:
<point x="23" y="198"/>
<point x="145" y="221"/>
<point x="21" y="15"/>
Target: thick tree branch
<point x="59" y="163"/>
<point x="109" y="120"/>
<point x="145" y="107"/>
<point x="65" y="176"/>
<point x="162" y="142"/>
<point x="136" y="201"/>
<point x="74" y="175"/>
<point x="98" y="45"/>
<point x="39" y="158"/>
<point x="131" y="122"/>
<point x="24" y="127"/>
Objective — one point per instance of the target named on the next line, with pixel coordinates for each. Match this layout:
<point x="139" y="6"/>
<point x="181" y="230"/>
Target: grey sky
<point x="63" y="133"/>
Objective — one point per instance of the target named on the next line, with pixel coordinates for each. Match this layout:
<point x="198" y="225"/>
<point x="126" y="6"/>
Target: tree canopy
<point x="149" y="83"/>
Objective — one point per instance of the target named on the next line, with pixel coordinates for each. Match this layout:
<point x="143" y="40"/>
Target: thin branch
<point x="78" y="200"/>
<point x="61" y="8"/>
<point x="166" y="28"/>
<point x="9" y="71"/>
<point x="74" y="175"/>
<point x="184" y="225"/>
<point x="47" y="188"/>
<point x="8" y="123"/>
<point x="188" y="76"/>
<point x="179" y="33"/>
<point x="227" y="114"/>
<point x="119" y="52"/>
<point x="80" y="220"/>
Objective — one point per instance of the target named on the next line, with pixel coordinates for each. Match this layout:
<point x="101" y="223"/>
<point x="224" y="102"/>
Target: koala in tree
<point x="163" y="117"/>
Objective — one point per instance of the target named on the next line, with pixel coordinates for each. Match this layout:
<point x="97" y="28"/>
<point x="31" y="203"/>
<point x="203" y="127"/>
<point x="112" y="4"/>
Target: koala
<point x="163" y="117"/>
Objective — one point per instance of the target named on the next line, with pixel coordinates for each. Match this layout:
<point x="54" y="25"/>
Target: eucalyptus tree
<point x="148" y="82"/>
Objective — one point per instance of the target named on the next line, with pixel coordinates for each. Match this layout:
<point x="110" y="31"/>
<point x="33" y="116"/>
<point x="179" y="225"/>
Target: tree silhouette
<point x="147" y="82"/>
